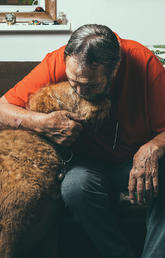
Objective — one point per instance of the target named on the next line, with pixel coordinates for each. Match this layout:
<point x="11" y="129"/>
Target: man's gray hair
<point x="94" y="44"/>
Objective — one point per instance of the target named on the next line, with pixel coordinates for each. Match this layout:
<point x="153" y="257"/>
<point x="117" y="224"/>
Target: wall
<point x="141" y="20"/>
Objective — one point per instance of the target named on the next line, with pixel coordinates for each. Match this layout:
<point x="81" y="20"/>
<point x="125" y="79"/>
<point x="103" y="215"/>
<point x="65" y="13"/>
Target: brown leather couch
<point x="73" y="242"/>
<point x="12" y="72"/>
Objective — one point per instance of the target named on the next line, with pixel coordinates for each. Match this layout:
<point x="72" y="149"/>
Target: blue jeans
<point x="155" y="239"/>
<point x="90" y="190"/>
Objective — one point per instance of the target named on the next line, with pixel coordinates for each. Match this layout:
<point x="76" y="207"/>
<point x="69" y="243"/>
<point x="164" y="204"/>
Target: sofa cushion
<point x="12" y="72"/>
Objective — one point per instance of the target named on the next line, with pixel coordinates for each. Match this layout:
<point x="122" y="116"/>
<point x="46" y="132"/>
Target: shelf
<point x="28" y="27"/>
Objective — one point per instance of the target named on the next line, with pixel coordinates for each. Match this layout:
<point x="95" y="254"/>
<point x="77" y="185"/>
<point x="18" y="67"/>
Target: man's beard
<point x="96" y="98"/>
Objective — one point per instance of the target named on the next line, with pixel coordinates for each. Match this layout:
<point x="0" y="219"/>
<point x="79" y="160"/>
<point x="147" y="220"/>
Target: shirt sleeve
<point x="50" y="70"/>
<point x="157" y="100"/>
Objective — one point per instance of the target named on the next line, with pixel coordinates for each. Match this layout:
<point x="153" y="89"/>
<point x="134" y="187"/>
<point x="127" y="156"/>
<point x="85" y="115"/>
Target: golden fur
<point x="29" y="163"/>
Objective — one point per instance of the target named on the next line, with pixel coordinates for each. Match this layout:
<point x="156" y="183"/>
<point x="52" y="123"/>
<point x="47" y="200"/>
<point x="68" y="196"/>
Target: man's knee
<point x="82" y="185"/>
<point x="72" y="185"/>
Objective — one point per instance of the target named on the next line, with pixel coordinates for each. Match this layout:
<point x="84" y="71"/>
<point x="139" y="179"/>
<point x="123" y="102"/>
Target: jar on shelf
<point x="62" y="18"/>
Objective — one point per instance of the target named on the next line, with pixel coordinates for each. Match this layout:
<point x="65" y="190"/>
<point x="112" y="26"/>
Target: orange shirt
<point x="50" y="70"/>
<point x="138" y="101"/>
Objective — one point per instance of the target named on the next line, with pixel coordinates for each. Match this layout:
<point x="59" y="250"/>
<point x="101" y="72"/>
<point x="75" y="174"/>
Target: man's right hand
<point x="61" y="127"/>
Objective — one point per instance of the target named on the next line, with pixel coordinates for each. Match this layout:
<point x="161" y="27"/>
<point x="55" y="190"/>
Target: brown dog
<point x="29" y="164"/>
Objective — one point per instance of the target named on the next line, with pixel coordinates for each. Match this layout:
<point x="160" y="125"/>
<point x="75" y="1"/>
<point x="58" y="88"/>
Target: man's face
<point x="89" y="82"/>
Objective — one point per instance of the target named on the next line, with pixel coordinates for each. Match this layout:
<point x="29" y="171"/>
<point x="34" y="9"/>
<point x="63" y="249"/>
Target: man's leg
<point x="85" y="191"/>
<point x="155" y="239"/>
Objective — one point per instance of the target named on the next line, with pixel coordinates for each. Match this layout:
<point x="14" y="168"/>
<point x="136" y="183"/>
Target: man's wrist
<point x="33" y="121"/>
<point x="158" y="146"/>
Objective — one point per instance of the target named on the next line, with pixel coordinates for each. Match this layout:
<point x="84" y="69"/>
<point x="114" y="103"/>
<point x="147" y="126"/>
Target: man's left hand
<point x="143" y="178"/>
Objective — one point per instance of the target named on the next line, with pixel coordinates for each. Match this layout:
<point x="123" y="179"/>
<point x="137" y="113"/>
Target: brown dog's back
<point x="29" y="163"/>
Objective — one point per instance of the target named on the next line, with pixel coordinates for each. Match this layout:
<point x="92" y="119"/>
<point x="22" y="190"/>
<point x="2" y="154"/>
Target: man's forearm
<point x="15" y="116"/>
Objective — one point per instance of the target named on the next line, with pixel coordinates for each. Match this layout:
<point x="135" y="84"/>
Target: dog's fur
<point x="29" y="163"/>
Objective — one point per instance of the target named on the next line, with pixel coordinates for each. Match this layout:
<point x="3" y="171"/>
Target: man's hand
<point x="61" y="127"/>
<point x="144" y="173"/>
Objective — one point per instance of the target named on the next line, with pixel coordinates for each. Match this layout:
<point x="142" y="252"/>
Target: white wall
<point x="141" y="20"/>
<point x="29" y="47"/>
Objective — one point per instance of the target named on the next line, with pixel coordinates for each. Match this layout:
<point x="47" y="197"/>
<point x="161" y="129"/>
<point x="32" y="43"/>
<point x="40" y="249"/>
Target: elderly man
<point x="126" y="151"/>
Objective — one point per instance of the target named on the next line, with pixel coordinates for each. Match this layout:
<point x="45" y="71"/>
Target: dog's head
<point x="61" y="96"/>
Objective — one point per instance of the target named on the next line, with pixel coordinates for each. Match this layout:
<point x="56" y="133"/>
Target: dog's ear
<point x="50" y="98"/>
<point x="43" y="101"/>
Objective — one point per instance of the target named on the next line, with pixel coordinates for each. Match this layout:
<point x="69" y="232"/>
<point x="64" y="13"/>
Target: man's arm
<point x="14" y="116"/>
<point x="61" y="126"/>
<point x="144" y="173"/>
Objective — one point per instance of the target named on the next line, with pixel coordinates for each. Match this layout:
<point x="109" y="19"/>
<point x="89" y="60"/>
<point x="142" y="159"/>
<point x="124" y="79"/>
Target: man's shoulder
<point x="58" y="53"/>
<point x="136" y="49"/>
<point x="56" y="64"/>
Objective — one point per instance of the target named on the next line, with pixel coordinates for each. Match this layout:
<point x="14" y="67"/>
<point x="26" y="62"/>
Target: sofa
<point x="72" y="240"/>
